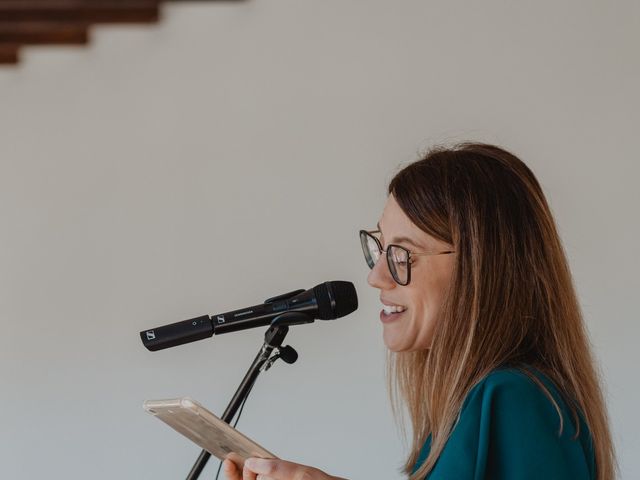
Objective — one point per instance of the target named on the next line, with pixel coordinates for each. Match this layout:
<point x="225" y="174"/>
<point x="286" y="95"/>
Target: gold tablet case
<point x="202" y="427"/>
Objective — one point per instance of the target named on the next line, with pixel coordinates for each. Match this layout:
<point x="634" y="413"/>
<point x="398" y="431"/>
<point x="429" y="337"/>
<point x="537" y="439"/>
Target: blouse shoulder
<point x="505" y="383"/>
<point x="510" y="428"/>
<point x="512" y="391"/>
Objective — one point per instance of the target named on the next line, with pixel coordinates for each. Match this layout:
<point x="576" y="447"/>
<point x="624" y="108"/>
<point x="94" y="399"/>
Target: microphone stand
<point x="273" y="339"/>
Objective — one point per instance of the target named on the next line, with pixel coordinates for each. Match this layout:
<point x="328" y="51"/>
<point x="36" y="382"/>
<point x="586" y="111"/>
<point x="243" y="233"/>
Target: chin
<point x="397" y="350"/>
<point x="395" y="345"/>
<point x="398" y="345"/>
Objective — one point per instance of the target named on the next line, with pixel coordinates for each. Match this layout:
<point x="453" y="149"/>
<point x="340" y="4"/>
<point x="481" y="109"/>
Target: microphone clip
<point x="288" y="319"/>
<point x="274" y="337"/>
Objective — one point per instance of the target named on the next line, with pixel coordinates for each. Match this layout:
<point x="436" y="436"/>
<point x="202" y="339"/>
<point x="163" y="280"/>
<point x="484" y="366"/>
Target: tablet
<point x="202" y="427"/>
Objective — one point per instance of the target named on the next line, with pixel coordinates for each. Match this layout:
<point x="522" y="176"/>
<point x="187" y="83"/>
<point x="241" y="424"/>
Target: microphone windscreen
<point x="335" y="299"/>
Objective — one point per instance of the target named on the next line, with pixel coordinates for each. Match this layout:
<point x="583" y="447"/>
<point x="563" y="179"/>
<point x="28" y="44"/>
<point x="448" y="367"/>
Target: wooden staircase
<point x="64" y="22"/>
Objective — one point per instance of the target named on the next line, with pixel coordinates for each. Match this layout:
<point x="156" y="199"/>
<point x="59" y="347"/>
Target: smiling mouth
<point x="391" y="309"/>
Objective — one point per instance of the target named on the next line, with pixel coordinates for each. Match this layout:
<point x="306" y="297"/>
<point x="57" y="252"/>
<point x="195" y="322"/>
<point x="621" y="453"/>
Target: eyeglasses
<point x="399" y="259"/>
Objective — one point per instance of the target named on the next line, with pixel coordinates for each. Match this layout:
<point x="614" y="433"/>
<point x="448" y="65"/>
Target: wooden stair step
<point x="85" y="11"/>
<point x="9" y="54"/>
<point x="40" y="33"/>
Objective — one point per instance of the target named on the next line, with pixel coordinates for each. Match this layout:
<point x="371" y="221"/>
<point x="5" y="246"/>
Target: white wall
<point x="231" y="153"/>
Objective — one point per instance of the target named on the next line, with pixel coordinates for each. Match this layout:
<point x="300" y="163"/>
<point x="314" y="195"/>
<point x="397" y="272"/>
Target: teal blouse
<point x="508" y="430"/>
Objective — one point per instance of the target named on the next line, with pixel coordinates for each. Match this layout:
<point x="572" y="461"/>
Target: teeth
<point x="393" y="309"/>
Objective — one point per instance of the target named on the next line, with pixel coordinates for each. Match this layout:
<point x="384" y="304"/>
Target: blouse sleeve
<point x="508" y="429"/>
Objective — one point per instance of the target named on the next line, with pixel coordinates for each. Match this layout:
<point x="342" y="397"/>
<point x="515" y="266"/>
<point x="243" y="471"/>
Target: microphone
<point x="326" y="301"/>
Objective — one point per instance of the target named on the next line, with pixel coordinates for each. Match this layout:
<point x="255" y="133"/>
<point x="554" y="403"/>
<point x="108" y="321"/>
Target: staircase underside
<point x="64" y="22"/>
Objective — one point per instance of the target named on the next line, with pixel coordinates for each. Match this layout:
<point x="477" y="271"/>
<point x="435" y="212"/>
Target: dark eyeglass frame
<point x="365" y="234"/>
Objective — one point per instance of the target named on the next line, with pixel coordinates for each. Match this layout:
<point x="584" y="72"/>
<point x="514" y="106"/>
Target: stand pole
<point x="273" y="338"/>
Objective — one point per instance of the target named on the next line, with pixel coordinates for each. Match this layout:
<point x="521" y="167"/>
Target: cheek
<point x="424" y="322"/>
<point x="430" y="287"/>
<point x="426" y="304"/>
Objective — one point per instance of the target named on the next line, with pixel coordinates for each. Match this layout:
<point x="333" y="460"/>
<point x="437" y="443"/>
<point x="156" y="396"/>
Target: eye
<point x="400" y="256"/>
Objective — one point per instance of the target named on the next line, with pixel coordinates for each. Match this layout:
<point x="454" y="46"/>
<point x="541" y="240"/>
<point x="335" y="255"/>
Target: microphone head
<point x="335" y="299"/>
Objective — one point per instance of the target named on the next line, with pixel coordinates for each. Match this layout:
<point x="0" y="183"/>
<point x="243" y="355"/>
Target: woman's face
<point x="413" y="328"/>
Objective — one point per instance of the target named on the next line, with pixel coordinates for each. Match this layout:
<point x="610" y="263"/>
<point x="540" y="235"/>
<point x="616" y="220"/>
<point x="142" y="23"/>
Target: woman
<point x="488" y="349"/>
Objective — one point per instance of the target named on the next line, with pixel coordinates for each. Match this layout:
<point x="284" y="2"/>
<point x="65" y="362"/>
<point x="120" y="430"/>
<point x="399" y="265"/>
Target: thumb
<point x="277" y="469"/>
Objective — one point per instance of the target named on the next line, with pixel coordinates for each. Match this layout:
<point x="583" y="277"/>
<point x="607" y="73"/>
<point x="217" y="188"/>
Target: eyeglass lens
<point x="399" y="264"/>
<point x="397" y="257"/>
<point x="370" y="248"/>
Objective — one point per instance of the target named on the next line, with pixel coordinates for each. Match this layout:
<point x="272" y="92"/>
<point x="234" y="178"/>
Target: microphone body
<point x="178" y="333"/>
<point x="326" y="301"/>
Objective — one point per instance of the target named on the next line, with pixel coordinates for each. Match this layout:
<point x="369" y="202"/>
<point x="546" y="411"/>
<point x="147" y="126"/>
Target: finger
<point x="231" y="470"/>
<point x="277" y="469"/>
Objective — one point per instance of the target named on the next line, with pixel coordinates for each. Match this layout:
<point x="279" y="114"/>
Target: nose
<point x="380" y="276"/>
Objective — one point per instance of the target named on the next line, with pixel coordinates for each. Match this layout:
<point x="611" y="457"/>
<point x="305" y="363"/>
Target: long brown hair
<point x="511" y="301"/>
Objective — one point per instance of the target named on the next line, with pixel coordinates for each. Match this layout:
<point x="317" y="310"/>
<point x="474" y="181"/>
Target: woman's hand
<point x="273" y="469"/>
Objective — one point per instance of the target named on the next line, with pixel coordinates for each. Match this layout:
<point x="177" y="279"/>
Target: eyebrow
<point x="400" y="239"/>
